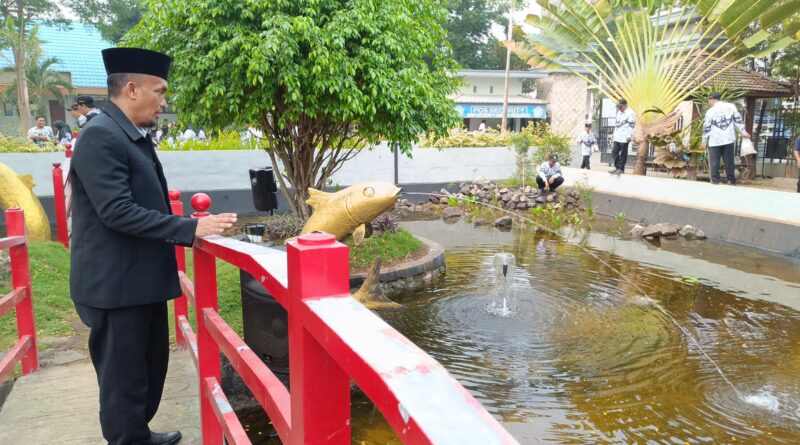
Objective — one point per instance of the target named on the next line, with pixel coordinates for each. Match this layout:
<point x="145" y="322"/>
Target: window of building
<point x="9" y="109"/>
<point x="474" y="89"/>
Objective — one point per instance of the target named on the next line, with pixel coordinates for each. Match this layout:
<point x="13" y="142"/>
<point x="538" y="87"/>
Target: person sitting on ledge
<point x="550" y="177"/>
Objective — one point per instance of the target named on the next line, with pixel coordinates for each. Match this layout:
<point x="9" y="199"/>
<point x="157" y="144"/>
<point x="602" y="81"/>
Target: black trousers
<point x="585" y="163"/>
<point x="557" y="182"/>
<point x="726" y="152"/>
<point x="620" y="155"/>
<point x="130" y="351"/>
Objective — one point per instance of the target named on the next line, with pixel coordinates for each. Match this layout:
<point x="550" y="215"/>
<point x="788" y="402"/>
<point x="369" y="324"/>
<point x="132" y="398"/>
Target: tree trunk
<point x="640" y="168"/>
<point x="691" y="173"/>
<point x="23" y="101"/>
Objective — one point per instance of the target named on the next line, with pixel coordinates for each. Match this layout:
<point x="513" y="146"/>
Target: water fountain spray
<point x="504" y="264"/>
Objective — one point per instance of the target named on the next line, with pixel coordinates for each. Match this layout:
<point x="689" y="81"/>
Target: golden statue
<point x="370" y="294"/>
<point x="348" y="211"/>
<point x="16" y="191"/>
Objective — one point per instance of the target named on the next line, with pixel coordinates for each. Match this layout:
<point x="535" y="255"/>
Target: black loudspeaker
<point x="266" y="326"/>
<point x="265" y="191"/>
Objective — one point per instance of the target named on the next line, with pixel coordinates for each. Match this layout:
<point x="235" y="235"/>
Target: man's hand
<point x="746" y="135"/>
<point x="551" y="180"/>
<point x="629" y="140"/>
<point x="214" y="224"/>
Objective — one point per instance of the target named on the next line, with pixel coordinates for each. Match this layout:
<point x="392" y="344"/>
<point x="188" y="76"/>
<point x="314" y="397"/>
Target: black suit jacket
<point x="123" y="232"/>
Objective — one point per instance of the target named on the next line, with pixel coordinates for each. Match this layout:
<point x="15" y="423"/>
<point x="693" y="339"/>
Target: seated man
<point x="41" y="133"/>
<point x="549" y="177"/>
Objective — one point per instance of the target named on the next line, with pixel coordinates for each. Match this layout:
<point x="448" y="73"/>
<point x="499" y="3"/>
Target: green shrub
<point x="534" y="135"/>
<point x="23" y="145"/>
<point x="223" y="140"/>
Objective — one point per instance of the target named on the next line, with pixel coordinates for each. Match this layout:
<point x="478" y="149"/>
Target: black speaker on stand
<point x="264" y="188"/>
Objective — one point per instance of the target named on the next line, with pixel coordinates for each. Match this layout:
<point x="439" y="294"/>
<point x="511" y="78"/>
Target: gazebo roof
<point x="754" y="84"/>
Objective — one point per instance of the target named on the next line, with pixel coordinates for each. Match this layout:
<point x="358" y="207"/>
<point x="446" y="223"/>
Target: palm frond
<point x="653" y="53"/>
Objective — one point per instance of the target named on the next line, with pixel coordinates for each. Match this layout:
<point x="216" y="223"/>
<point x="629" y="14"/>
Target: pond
<point x="611" y="340"/>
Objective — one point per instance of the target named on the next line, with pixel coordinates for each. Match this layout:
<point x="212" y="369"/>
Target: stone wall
<point x="566" y="95"/>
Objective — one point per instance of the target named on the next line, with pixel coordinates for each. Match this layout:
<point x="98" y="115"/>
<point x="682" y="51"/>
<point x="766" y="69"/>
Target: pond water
<point x="610" y="341"/>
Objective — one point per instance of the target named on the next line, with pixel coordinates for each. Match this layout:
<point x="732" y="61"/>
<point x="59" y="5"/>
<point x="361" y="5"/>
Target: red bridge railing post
<point x="205" y="278"/>
<point x="179" y="305"/>
<point x="318" y="267"/>
<point x="60" y="204"/>
<point x="21" y="277"/>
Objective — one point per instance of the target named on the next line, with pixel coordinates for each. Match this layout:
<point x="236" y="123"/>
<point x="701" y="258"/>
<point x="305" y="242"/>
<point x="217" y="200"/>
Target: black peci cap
<point x="622" y="102"/>
<point x="716" y="96"/>
<point x="136" y="61"/>
<point x="72" y="106"/>
<point x="85" y="100"/>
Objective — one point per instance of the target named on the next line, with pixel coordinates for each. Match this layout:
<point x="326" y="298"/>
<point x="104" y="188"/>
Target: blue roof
<point x="77" y="47"/>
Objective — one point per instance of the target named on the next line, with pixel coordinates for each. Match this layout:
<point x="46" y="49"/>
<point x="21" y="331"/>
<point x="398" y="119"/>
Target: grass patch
<point x="52" y="306"/>
<point x="391" y="247"/>
<point x="229" y="296"/>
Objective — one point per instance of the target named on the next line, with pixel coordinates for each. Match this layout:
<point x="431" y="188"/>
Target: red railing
<point x="62" y="194"/>
<point x="19" y="299"/>
<point x="332" y="340"/>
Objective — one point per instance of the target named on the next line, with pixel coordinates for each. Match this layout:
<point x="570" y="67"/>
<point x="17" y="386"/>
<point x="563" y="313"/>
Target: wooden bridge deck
<point x="59" y="405"/>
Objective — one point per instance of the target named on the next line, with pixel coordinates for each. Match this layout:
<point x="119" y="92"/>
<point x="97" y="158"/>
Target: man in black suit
<point x="123" y="267"/>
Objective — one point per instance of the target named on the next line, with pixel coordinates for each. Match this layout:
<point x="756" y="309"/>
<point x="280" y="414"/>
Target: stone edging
<point x="432" y="261"/>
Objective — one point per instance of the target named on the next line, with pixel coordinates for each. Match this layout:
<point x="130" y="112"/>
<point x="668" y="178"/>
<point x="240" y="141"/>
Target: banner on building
<point x="496" y="111"/>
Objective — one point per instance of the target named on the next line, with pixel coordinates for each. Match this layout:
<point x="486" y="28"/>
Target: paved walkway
<point x="59" y="405"/>
<point x="762" y="204"/>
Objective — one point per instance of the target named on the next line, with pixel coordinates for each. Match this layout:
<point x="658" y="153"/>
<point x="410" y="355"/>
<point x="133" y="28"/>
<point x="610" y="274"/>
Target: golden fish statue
<point x="16" y="191"/>
<point x="348" y="211"/>
<point x="370" y="294"/>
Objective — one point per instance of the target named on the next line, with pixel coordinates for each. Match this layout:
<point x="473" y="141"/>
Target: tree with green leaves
<point x="469" y="31"/>
<point x="43" y="82"/>
<point x="13" y="34"/>
<point x="653" y="53"/>
<point x="113" y="18"/>
<point x="322" y="79"/>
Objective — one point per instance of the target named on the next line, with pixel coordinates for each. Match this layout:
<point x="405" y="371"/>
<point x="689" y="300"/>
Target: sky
<point x="528" y="7"/>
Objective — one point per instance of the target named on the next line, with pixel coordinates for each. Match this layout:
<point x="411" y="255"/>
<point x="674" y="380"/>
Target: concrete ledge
<point x="763" y="219"/>
<point x="767" y="205"/>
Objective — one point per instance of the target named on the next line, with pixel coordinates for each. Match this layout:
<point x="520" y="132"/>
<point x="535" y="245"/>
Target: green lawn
<point x="392" y="246"/>
<point x="55" y="312"/>
<point x="53" y="308"/>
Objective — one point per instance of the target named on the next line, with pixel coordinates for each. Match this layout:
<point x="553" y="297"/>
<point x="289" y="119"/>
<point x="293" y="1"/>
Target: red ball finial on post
<point x="200" y="203"/>
<point x="174" y="195"/>
<point x="68" y="150"/>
